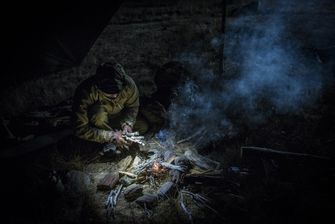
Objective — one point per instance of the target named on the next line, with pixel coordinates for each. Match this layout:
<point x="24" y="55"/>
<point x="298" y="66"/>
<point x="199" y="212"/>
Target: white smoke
<point x="274" y="77"/>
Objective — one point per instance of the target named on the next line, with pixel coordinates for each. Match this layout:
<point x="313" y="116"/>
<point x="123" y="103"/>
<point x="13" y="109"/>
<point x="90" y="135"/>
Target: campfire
<point x="165" y="172"/>
<point x="157" y="168"/>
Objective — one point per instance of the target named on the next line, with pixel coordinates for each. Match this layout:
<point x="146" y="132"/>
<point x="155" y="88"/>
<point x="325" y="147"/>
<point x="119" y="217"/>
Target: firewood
<point x="136" y="161"/>
<point x="108" y="181"/>
<point x="165" y="189"/>
<point x="128" y="174"/>
<point x="176" y="176"/>
<point x="147" y="200"/>
<point x="125" y="163"/>
<point x="132" y="192"/>
<point x="198" y="160"/>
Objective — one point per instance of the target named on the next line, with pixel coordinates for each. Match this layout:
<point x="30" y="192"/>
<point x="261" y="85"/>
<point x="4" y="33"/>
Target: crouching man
<point x="106" y="106"/>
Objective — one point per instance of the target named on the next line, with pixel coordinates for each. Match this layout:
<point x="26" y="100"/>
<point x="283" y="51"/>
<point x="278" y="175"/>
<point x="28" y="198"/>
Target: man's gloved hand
<point x="126" y="129"/>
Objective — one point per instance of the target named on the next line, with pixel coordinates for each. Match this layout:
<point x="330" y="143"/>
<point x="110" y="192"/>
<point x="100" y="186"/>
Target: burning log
<point x="145" y="164"/>
<point x="156" y="167"/>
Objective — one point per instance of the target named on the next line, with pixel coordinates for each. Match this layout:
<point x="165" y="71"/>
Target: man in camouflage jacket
<point x="106" y="106"/>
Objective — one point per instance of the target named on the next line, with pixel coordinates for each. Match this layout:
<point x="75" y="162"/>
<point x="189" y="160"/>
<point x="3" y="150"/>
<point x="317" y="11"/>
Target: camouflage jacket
<point x="88" y="95"/>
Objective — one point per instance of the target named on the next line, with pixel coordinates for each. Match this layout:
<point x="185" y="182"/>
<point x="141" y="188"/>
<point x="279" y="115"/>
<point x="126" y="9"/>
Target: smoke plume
<point x="274" y="77"/>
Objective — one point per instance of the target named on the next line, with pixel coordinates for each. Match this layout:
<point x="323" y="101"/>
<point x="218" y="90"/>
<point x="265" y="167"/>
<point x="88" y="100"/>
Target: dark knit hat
<point x="110" y="77"/>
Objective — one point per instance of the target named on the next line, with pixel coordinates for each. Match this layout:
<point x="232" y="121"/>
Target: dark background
<point x="41" y="38"/>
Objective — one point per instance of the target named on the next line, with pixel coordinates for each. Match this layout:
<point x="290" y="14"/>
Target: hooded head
<point x="110" y="76"/>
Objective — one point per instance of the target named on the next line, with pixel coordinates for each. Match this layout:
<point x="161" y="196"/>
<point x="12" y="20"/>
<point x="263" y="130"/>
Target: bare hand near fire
<point x="120" y="141"/>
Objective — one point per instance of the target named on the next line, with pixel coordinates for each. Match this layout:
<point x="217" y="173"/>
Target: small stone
<point x="76" y="183"/>
<point x="108" y="181"/>
<point x="147" y="200"/>
<point x="132" y="192"/>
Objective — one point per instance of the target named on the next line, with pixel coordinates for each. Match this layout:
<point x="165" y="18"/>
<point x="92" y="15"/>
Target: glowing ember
<point x="156" y="167"/>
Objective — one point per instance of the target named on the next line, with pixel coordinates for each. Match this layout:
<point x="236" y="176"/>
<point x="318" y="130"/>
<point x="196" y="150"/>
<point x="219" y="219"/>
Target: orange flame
<point x="156" y="167"/>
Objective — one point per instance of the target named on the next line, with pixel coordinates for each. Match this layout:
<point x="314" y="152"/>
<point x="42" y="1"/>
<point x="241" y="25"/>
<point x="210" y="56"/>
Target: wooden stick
<point x="128" y="174"/>
<point x="190" y="137"/>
